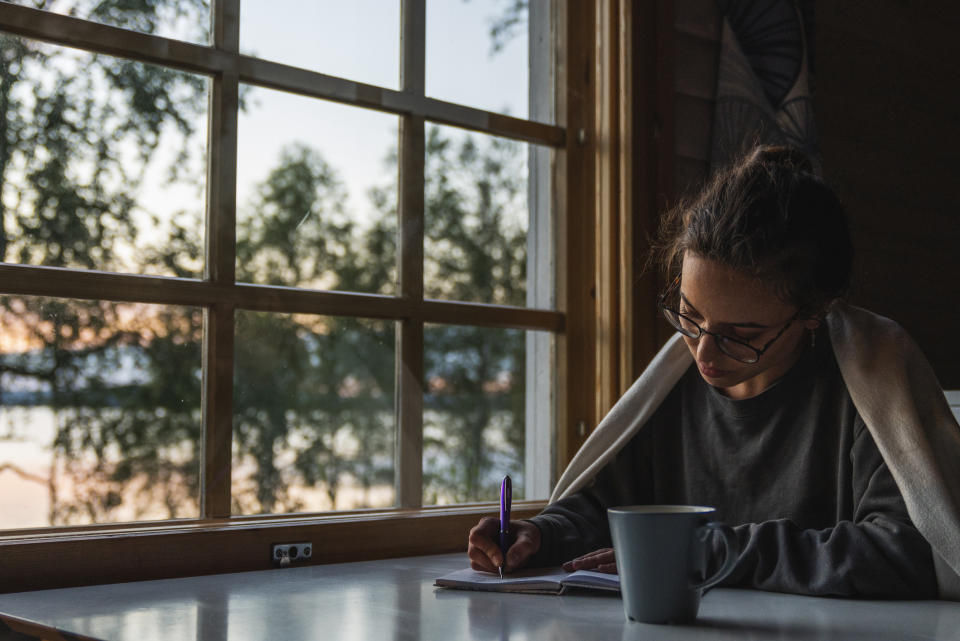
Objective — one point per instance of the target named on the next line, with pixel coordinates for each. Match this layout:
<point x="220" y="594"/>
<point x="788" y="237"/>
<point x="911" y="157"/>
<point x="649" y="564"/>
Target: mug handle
<point x="731" y="548"/>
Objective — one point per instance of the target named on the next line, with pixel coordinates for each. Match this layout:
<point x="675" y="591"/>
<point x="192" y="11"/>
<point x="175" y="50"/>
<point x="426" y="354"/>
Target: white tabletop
<point x="395" y="599"/>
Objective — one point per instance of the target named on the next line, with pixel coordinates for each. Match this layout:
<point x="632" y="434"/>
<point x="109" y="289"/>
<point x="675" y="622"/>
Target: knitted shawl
<point x="892" y="387"/>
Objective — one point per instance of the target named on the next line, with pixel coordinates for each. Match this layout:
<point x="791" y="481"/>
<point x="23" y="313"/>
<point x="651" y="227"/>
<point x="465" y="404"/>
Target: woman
<point x="816" y="429"/>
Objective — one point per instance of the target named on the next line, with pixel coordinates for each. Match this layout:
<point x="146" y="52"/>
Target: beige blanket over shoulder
<point x="893" y="388"/>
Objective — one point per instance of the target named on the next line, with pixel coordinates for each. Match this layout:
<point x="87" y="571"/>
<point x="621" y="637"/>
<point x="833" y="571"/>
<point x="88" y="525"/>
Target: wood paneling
<point x="690" y="174"/>
<point x="886" y="108"/>
<point x="700" y="18"/>
<point x="925" y="31"/>
<point x="697" y="46"/>
<point x="678" y="46"/>
<point x="695" y="66"/>
<point x="694" y="118"/>
<point x="652" y="177"/>
<point x="678" y="51"/>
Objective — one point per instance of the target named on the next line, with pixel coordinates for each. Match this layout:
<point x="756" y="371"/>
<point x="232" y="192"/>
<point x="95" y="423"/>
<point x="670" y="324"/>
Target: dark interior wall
<point x="694" y="55"/>
<point x="887" y="103"/>
<point x="696" y="33"/>
<point x="887" y="100"/>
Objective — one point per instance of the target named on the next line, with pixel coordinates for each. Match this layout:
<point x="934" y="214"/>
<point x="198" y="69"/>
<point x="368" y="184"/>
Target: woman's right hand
<point x="483" y="545"/>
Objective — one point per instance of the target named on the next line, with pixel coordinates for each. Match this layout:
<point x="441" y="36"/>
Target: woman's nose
<point x="707" y="351"/>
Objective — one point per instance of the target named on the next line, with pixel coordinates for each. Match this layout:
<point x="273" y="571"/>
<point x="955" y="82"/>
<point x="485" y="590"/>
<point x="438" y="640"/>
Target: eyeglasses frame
<point x="662" y="307"/>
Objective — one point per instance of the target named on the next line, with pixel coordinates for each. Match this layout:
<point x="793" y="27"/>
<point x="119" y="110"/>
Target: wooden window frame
<point x="589" y="299"/>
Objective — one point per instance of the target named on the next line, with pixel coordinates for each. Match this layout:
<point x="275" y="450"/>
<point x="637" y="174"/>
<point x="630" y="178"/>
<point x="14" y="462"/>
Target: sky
<point x="322" y="35"/>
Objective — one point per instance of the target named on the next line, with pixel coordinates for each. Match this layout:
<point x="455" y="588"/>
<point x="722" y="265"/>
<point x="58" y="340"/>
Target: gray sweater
<point x="794" y="469"/>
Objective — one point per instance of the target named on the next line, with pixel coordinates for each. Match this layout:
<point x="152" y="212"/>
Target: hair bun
<point x="786" y="157"/>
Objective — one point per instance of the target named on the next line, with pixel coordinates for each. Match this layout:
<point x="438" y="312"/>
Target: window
<point x="253" y="290"/>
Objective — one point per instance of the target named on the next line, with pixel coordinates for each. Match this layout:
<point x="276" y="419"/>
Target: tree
<point x="337" y="380"/>
<point x="475" y="250"/>
<point x="73" y="151"/>
<point x="330" y="403"/>
<point x="313" y="396"/>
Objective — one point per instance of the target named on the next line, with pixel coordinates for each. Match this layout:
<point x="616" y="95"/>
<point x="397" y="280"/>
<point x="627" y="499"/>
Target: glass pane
<point x="358" y="40"/>
<point x="476" y="221"/>
<point x="477" y="54"/>
<point x="313" y="413"/>
<point x="181" y="19"/>
<point x="100" y="416"/>
<point x="474" y="419"/>
<point x="107" y="167"/>
<point x="316" y="194"/>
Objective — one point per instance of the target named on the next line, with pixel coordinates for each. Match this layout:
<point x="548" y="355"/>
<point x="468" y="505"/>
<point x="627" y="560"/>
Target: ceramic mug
<point x="661" y="557"/>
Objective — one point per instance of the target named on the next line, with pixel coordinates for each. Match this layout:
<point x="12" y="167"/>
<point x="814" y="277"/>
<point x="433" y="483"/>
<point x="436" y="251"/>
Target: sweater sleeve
<point x="877" y="553"/>
<point x="578" y="524"/>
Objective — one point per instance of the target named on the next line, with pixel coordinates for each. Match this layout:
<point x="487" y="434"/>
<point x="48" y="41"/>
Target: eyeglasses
<point x="735" y="348"/>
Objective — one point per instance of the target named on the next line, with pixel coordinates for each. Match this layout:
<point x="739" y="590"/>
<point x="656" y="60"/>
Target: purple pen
<point x="506" y="498"/>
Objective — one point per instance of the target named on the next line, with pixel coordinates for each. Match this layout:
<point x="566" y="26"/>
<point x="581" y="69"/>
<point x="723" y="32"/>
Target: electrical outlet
<point x="283" y="554"/>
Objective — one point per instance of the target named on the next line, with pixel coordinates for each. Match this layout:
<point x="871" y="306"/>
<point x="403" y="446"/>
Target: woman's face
<point x="729" y="302"/>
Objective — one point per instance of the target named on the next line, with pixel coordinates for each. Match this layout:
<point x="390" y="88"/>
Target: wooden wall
<point x="688" y="59"/>
<point x="676" y="45"/>
<point x="696" y="28"/>
<point x="887" y="102"/>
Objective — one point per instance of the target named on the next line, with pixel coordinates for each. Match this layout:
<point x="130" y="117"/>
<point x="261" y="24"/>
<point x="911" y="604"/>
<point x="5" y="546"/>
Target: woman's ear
<point x="812" y="322"/>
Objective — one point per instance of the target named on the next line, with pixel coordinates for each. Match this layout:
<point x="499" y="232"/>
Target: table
<point x="395" y="599"/>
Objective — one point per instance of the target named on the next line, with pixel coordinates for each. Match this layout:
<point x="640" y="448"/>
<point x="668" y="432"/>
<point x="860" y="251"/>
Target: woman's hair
<point x="767" y="215"/>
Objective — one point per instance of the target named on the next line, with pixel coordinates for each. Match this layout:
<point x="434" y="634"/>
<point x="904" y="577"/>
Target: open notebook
<point x="537" y="580"/>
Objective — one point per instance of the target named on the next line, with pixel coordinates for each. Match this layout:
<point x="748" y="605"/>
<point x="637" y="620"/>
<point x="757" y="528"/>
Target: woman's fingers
<point x="609" y="568"/>
<point x="481" y="562"/>
<point x="526" y="544"/>
<point x="482" y="549"/>
<point x="483" y="545"/>
<point x="592" y="561"/>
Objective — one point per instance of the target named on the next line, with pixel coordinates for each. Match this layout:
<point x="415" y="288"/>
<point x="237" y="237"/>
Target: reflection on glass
<point x="316" y="194"/>
<point x="477" y="54"/>
<point x="357" y="40"/>
<point x="106" y="170"/>
<point x="180" y="19"/>
<point x="473" y="421"/>
<point x="100" y="416"/>
<point x="313" y="413"/>
<point x="476" y="221"/>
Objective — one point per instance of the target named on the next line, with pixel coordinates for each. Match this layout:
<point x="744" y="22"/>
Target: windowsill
<point x="63" y="557"/>
<point x="263" y="521"/>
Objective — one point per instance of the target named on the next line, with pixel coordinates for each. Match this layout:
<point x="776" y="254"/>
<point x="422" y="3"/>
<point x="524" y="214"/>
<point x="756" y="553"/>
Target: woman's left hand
<point x="601" y="560"/>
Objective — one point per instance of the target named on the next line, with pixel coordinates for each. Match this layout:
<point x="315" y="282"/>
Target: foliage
<point x="508" y="23"/>
<point x="76" y="132"/>
<point x="475" y="249"/>
<point x="313" y="396"/>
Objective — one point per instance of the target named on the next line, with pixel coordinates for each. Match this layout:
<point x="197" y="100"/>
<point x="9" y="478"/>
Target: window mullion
<point x="540" y="410"/>
<point x="220" y="268"/>
<point x="410" y="369"/>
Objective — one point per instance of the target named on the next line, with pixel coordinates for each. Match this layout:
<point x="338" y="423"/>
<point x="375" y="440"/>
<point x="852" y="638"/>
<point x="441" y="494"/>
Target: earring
<point x="813" y="338"/>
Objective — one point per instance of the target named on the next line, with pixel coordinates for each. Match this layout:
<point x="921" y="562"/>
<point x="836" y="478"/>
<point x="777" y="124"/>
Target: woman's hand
<point x="483" y="545"/>
<point x="601" y="560"/>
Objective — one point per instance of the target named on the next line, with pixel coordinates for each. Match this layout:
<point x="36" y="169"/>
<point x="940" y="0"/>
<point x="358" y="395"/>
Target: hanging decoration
<point x="764" y="83"/>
